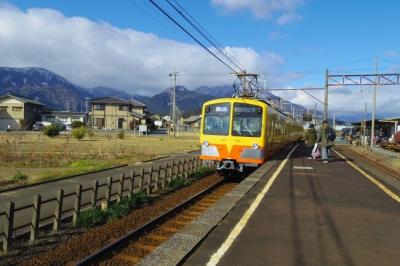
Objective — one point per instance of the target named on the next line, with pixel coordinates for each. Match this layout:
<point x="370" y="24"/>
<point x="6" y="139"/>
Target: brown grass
<point x="41" y="157"/>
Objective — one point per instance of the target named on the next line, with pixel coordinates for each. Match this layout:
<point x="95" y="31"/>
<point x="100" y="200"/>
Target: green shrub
<point x="91" y="217"/>
<point x="20" y="176"/>
<point x="79" y="133"/>
<point x="141" y="198"/>
<point x="52" y="131"/>
<point x="179" y="182"/>
<point x="203" y="171"/>
<point x="121" y="134"/>
<point x="77" y="124"/>
<point x="90" y="133"/>
<point x="117" y="210"/>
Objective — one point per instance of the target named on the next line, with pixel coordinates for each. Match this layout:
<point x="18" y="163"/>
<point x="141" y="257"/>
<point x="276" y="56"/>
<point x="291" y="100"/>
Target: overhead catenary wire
<point x="203" y="32"/>
<point x="191" y="35"/>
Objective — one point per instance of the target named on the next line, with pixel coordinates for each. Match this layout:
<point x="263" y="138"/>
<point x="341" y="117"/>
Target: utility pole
<point x="374" y="105"/>
<point x="334" y="121"/>
<point x="326" y="96"/>
<point x="174" y="116"/>
<point x="315" y="115"/>
<point x="365" y="126"/>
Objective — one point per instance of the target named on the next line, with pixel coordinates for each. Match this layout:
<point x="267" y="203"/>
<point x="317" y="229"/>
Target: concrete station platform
<point x="313" y="214"/>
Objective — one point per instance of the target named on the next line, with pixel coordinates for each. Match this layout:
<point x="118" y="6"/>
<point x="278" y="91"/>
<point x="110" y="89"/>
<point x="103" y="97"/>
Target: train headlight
<point x="205" y="143"/>
<point x="255" y="146"/>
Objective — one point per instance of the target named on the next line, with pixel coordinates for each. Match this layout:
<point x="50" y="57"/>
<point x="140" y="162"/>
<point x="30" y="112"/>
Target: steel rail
<point x="97" y="255"/>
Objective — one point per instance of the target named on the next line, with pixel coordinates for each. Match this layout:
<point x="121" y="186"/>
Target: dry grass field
<point x="39" y="157"/>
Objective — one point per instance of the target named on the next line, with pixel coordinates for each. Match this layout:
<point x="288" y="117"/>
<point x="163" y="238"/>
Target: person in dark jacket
<point x="310" y="138"/>
<point x="325" y="143"/>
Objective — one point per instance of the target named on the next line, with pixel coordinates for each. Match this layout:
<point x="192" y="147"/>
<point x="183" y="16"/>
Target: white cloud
<point x="288" y="18"/>
<point x="275" y="35"/>
<point x="89" y="53"/>
<point x="345" y="101"/>
<point x="263" y="8"/>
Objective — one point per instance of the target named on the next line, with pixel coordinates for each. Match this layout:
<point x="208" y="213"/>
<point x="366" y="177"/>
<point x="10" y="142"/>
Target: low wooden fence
<point x="151" y="180"/>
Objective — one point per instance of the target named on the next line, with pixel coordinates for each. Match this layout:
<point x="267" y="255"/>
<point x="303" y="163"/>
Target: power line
<point x="188" y="33"/>
<point x="203" y="32"/>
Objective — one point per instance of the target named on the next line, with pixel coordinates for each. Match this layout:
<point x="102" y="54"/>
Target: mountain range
<point x="60" y="94"/>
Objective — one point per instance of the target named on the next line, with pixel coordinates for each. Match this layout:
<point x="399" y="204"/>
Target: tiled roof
<point x="192" y="118"/>
<point x="21" y="99"/>
<point x="110" y="100"/>
<point x="136" y="103"/>
<point x="136" y="114"/>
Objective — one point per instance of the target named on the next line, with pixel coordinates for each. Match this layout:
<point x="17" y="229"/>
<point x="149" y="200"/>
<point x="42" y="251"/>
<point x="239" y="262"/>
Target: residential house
<point x="63" y="117"/>
<point x="116" y="113"/>
<point x="17" y="112"/>
<point x="192" y="121"/>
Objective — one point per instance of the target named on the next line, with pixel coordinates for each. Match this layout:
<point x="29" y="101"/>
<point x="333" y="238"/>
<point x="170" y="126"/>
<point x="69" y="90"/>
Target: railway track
<point x="380" y="166"/>
<point x="135" y="245"/>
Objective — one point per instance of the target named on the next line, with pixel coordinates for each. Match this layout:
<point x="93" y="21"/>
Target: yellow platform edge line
<point x="370" y="178"/>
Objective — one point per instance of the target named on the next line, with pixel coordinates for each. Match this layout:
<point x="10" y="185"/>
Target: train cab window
<point x="216" y="119"/>
<point x="247" y="120"/>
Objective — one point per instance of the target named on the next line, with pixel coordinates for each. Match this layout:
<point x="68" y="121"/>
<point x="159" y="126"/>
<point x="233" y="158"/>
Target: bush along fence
<point x="148" y="181"/>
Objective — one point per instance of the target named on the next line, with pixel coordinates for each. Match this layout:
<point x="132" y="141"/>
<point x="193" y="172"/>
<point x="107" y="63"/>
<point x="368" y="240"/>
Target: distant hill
<point x="59" y="94"/>
<point x="217" y="92"/>
<point x="98" y="92"/>
<point x="189" y="102"/>
<point x="43" y="85"/>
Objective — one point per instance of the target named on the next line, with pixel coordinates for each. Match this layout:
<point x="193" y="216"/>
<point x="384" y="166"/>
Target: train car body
<point x="244" y="132"/>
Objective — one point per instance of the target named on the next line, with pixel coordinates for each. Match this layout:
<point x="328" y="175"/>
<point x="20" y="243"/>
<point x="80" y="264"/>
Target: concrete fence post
<point x="58" y="210"/>
<point x="152" y="184"/>
<point x="8" y="227"/>
<point x="35" y="217"/>
<point x="161" y="177"/>
<point x="77" y="204"/>
<point x="180" y="167"/>
<point x="198" y="163"/>
<point x="95" y="190"/>
<point x="185" y="168"/>
<point x="131" y="187"/>
<point x="121" y="187"/>
<point x="108" y="193"/>
<point x="140" y="180"/>
<point x="167" y="176"/>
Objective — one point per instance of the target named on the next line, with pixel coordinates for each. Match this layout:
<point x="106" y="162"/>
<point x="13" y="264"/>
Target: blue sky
<point x="329" y="32"/>
<point x="303" y="36"/>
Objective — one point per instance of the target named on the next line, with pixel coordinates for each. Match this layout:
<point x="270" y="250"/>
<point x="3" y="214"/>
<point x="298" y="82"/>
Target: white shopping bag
<point x="315" y="152"/>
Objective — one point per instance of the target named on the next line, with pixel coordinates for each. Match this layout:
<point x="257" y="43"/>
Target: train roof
<point x="252" y="99"/>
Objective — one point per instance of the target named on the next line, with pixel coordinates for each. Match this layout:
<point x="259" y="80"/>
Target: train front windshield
<point x="216" y="119"/>
<point x="247" y="120"/>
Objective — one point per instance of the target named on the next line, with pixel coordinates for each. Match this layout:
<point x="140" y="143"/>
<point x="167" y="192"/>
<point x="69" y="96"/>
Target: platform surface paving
<point x="314" y="214"/>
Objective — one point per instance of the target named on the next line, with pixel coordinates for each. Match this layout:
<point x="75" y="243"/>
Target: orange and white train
<point x="244" y="132"/>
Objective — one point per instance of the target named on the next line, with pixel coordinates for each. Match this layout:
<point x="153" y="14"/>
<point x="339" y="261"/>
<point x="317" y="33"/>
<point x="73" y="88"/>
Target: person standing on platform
<point x="310" y="138"/>
<point x="326" y="139"/>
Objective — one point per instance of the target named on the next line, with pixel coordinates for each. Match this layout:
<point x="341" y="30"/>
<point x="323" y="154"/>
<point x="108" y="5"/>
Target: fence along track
<point x="151" y="180"/>
<point x="136" y="244"/>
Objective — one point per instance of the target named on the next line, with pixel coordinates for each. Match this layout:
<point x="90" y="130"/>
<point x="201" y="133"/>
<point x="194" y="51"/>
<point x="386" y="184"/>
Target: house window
<point x="3" y="108"/>
<point x="17" y="109"/>
<point x="123" y="107"/>
<point x="98" y="106"/>
<point x="98" y="122"/>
